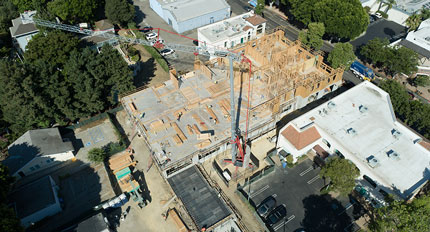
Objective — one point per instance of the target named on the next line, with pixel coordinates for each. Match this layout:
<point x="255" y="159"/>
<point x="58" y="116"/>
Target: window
<point x="318" y="85"/>
<point x="334" y="77"/>
<point x="37" y="166"/>
<point x="259" y="29"/>
<point x="326" y="143"/>
<point x="225" y="44"/>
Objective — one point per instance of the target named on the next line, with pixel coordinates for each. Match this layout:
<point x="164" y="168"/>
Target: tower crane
<point x="237" y="158"/>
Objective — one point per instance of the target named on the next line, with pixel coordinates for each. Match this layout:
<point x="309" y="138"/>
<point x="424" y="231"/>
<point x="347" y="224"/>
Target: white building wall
<point x="42" y="162"/>
<point x="155" y="6"/>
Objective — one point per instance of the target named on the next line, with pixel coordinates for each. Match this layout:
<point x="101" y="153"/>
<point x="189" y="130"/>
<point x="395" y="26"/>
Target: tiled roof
<point x="104" y="25"/>
<point x="256" y="20"/>
<point x="246" y="28"/>
<point x="300" y="139"/>
<point x="425" y="144"/>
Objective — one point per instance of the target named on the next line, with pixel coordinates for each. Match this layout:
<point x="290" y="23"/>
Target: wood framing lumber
<point x="196" y="129"/>
<point x="178" y="221"/>
<point x="132" y="106"/>
<point x="203" y="144"/>
<point x="190" y="129"/>
<point x="204" y="136"/>
<point x="124" y="166"/>
<point x="213" y="115"/>
<point x="179" y="131"/>
<point x="200" y="122"/>
<point x="177" y="140"/>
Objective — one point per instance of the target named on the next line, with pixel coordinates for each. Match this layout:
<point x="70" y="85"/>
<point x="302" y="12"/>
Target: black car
<point x="276" y="215"/>
<point x="265" y="206"/>
<point x="146" y="29"/>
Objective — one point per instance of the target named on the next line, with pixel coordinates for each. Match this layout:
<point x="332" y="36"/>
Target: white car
<point x="151" y="36"/>
<point x="166" y="52"/>
<point x="379" y="15"/>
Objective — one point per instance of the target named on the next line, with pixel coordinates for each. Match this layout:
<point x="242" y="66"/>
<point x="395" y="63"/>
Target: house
<point x="103" y="26"/>
<point x="36" y="200"/>
<point x="399" y="11"/>
<point x="37" y="150"/>
<point x="96" y="223"/>
<point x="360" y="125"/>
<point x="185" y="15"/>
<point x="231" y="32"/>
<point x="23" y="28"/>
<point x="419" y="41"/>
<point x="97" y="40"/>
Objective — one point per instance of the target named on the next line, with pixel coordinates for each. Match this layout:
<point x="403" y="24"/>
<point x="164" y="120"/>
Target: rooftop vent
<point x="363" y="109"/>
<point x="372" y="161"/>
<point x="351" y="131"/>
<point x="393" y="155"/>
<point x="396" y="134"/>
<point x="331" y="105"/>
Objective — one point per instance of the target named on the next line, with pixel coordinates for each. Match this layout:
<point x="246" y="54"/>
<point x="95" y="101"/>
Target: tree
<point x="303" y="10"/>
<point x="53" y="48"/>
<point x="119" y="11"/>
<point x="313" y="36"/>
<point x="375" y="51"/>
<point x="342" y="174"/>
<point x="341" y="18"/>
<point x="422" y="80"/>
<point x="260" y="7"/>
<point x="97" y="155"/>
<point x="8" y="220"/>
<point x="8" y="11"/>
<point x="413" y="22"/>
<point x="73" y="11"/>
<point x="425" y="13"/>
<point x="342" y="55"/>
<point x="389" y="4"/>
<point x="401" y="60"/>
<point x="403" y="216"/>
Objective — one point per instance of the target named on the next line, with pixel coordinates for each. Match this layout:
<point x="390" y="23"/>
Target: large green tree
<point x="342" y="174"/>
<point x="342" y="55"/>
<point x="342" y="18"/>
<point x="8" y="220"/>
<point x="73" y="11"/>
<point x="403" y="216"/>
<point x="375" y="51"/>
<point x="312" y="37"/>
<point x="401" y="60"/>
<point x="53" y="48"/>
<point x="119" y="11"/>
<point x="303" y="10"/>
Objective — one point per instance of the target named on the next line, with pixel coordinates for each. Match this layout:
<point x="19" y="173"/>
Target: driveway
<point x="299" y="189"/>
<point x="381" y="29"/>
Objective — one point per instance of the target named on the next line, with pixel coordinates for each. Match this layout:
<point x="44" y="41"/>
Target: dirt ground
<point x="151" y="72"/>
<point x="155" y="189"/>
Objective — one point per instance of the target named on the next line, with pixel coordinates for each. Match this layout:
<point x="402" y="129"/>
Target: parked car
<point x="276" y="215"/>
<point x="266" y="206"/>
<point x="160" y="41"/>
<point x="166" y="52"/>
<point x="151" y="36"/>
<point x="146" y="29"/>
<point x="378" y="15"/>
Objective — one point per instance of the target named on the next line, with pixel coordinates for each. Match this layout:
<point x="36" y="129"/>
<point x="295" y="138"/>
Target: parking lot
<point x="381" y="28"/>
<point x="299" y="189"/>
<point x="182" y="61"/>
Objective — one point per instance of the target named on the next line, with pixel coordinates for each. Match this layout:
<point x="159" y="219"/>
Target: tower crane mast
<point x="236" y="159"/>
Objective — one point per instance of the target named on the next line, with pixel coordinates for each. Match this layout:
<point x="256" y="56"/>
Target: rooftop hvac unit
<point x="393" y="155"/>
<point x="372" y="161"/>
<point x="396" y="134"/>
<point x="331" y="105"/>
<point x="351" y="131"/>
<point x="363" y="109"/>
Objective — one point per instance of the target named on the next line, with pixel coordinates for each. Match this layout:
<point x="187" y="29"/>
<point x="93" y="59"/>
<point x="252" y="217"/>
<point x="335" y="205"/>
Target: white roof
<point x="183" y="10"/>
<point x="225" y="29"/>
<point x="421" y="37"/>
<point x="367" y="110"/>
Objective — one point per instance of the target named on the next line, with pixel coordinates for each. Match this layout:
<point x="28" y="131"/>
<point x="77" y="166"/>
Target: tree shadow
<point x="390" y="32"/>
<point x="146" y="73"/>
<point x="139" y="16"/>
<point x="69" y="134"/>
<point x="324" y="213"/>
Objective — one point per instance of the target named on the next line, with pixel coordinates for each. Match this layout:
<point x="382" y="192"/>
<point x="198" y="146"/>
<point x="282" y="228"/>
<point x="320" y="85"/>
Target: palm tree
<point x="413" y="22"/>
<point x="380" y="4"/>
<point x="425" y="13"/>
<point x="389" y="4"/>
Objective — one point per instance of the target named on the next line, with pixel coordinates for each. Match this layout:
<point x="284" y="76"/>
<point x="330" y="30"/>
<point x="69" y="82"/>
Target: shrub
<point x="97" y="155"/>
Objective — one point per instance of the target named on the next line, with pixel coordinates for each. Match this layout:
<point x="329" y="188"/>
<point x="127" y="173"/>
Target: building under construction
<point x="187" y="119"/>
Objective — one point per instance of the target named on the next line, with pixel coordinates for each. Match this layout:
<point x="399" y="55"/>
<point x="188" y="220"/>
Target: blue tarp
<point x="253" y="3"/>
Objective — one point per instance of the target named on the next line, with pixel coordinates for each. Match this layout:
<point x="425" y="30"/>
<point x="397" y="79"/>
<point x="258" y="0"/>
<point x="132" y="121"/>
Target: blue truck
<point x="362" y="71"/>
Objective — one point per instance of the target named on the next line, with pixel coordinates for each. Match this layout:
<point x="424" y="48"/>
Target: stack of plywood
<point x="121" y="161"/>
<point x="173" y="214"/>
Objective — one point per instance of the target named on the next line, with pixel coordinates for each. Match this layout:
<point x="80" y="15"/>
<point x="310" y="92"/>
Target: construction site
<point x="187" y="119"/>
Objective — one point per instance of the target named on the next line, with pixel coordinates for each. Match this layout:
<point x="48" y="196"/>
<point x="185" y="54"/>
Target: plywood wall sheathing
<point x="174" y="78"/>
<point x="203" y="144"/>
<point x="196" y="129"/>
<point x="159" y="86"/>
<point x="190" y="95"/>
<point x="212" y="114"/>
<point x="190" y="129"/>
<point x="132" y="106"/>
<point x="179" y="131"/>
<point x="204" y="136"/>
<point x="200" y="122"/>
<point x="218" y="89"/>
<point x="178" y="141"/>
